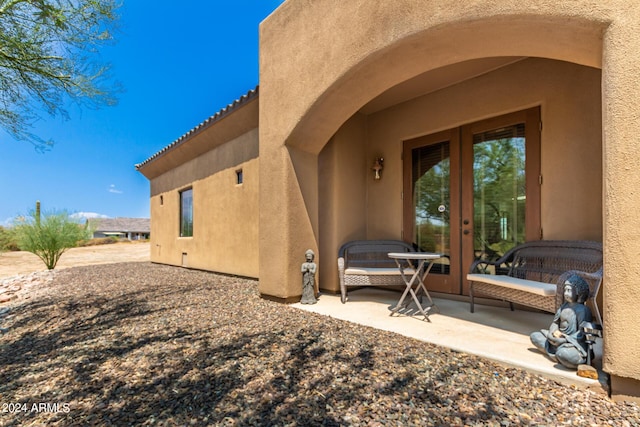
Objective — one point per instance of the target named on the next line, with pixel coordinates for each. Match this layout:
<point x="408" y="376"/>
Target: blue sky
<point x="179" y="63"/>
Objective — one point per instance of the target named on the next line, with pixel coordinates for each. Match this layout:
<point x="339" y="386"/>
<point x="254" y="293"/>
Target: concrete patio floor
<point x="494" y="332"/>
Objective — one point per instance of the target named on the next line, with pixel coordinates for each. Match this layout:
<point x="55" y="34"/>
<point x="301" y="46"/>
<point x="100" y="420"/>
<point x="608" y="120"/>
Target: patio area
<point x="493" y="332"/>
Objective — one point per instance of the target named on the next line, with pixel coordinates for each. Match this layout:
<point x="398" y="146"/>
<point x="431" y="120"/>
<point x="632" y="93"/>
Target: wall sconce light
<point x="378" y="164"/>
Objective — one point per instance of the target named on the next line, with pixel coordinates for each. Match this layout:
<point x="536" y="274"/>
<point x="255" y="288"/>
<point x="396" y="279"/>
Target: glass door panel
<point x="432" y="204"/>
<point x="500" y="195"/>
<point x="431" y="194"/>
<point x="499" y="191"/>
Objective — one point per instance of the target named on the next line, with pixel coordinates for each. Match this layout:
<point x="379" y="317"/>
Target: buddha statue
<point x="565" y="342"/>
<point x="309" y="279"/>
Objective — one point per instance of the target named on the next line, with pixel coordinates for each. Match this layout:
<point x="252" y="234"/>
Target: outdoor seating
<point x="533" y="274"/>
<point x="367" y="263"/>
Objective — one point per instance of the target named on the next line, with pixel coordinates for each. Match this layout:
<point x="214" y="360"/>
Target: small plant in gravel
<point x="48" y="236"/>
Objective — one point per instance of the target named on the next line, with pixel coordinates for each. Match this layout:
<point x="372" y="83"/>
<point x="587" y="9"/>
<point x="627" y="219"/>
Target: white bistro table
<point x="414" y="263"/>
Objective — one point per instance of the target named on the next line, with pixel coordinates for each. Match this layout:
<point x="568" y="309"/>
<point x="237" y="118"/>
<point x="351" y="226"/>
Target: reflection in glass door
<point x="499" y="191"/>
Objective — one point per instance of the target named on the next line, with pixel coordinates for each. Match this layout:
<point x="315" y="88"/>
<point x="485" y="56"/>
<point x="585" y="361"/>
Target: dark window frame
<point x="186" y="212"/>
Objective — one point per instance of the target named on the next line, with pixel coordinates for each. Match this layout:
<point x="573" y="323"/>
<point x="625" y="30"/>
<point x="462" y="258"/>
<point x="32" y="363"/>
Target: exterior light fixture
<point x="378" y="164"/>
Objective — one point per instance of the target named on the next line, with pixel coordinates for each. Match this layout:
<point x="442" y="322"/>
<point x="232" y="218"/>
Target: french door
<point x="472" y="192"/>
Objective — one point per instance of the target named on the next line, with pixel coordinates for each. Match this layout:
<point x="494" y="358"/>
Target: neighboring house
<point x="125" y="228"/>
<point x="442" y="91"/>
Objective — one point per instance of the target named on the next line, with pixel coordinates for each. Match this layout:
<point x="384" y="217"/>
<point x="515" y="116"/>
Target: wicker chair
<point x="533" y="273"/>
<point x="366" y="263"/>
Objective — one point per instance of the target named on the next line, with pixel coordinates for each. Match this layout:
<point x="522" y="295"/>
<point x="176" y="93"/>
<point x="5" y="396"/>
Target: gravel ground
<point x="145" y="344"/>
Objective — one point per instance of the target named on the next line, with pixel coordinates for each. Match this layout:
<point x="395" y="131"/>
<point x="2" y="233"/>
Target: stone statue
<point x="309" y="279"/>
<point x="565" y="341"/>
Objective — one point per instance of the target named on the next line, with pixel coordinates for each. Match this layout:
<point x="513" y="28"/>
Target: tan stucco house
<point x="430" y="88"/>
<point x="124" y="228"/>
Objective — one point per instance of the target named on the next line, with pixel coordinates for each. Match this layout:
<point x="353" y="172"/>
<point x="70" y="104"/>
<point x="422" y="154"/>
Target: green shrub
<point x="50" y="236"/>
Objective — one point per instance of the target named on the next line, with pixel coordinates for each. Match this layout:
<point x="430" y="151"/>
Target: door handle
<point x="465" y="232"/>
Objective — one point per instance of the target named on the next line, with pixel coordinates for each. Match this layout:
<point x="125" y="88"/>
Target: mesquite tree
<point x="48" y="56"/>
<point x="49" y="236"/>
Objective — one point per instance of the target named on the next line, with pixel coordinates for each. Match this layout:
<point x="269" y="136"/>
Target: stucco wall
<point x="363" y="47"/>
<point x="621" y="127"/>
<point x="225" y="223"/>
<point x="343" y="173"/>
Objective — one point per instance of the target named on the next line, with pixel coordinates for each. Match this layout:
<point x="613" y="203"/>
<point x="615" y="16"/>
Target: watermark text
<point x="35" y="407"/>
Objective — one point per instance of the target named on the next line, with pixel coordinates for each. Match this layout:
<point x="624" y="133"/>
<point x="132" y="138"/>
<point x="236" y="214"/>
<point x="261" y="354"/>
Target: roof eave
<point x="229" y="122"/>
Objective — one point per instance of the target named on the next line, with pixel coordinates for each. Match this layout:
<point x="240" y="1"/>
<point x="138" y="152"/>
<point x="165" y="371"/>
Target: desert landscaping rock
<point x="146" y="344"/>
<point x="20" y="263"/>
<point x="13" y="286"/>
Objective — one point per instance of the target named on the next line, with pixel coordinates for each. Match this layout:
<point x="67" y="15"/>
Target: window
<point x="239" y="177"/>
<point x="186" y="213"/>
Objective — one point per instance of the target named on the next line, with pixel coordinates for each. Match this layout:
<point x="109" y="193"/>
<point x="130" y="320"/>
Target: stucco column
<point x="288" y="199"/>
<point x="621" y="145"/>
<point x="288" y="212"/>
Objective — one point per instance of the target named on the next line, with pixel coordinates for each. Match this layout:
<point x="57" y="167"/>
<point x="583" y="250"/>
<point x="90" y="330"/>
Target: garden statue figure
<point x="309" y="279"/>
<point x="565" y="341"/>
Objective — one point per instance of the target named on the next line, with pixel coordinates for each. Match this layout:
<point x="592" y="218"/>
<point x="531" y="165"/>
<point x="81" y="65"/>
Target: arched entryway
<point x="334" y="78"/>
<point x="359" y="65"/>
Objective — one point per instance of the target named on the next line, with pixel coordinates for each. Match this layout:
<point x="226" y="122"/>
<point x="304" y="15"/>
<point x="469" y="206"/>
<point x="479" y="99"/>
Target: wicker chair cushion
<point x="367" y="271"/>
<point x="538" y="288"/>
